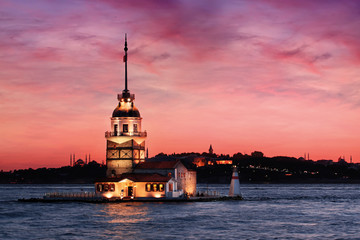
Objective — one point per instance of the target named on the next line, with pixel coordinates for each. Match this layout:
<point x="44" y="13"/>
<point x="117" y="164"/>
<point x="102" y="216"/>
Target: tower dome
<point x="122" y="110"/>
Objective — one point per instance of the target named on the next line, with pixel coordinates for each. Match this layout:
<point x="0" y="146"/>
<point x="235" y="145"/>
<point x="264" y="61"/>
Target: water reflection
<point x="300" y="211"/>
<point x="127" y="212"/>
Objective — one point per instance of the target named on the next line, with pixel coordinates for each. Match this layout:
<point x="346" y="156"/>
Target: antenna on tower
<point x="125" y="61"/>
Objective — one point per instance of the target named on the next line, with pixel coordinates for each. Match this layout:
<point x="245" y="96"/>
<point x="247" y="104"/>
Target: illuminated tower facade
<point x="125" y="145"/>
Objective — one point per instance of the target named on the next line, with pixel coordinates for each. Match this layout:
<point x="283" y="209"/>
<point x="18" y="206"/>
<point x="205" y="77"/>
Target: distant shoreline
<point x="210" y="169"/>
<point x="323" y="181"/>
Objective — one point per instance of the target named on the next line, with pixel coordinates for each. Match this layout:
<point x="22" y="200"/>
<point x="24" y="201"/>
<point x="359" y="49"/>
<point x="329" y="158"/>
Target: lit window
<point x="135" y="128"/>
<point x="161" y="187"/>
<point x="106" y="187"/>
<point x="112" y="187"/>
<point x="154" y="187"/>
<point x="148" y="187"/>
<point x="125" y="128"/>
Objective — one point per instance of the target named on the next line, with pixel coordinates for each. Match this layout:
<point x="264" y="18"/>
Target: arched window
<point x="112" y="187"/>
<point x="161" y="187"/>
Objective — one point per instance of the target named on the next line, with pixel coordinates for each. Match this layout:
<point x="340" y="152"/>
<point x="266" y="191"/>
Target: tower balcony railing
<point x="130" y="134"/>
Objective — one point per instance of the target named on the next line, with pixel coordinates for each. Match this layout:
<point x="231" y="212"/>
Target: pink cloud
<point x="275" y="76"/>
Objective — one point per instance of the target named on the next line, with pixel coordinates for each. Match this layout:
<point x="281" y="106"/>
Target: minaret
<point x="211" y="150"/>
<point x="125" y="142"/>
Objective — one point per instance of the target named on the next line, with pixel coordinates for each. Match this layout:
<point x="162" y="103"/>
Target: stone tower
<point x="125" y="145"/>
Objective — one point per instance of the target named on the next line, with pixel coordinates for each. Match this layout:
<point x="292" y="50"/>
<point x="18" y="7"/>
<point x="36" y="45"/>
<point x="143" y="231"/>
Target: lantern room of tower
<point x="126" y="120"/>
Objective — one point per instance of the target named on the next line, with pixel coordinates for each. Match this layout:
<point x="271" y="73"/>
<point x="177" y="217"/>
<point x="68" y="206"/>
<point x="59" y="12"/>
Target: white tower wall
<point x="120" y="121"/>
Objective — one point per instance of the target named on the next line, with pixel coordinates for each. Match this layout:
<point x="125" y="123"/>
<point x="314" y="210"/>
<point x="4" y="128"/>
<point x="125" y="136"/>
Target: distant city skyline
<point x="280" y="77"/>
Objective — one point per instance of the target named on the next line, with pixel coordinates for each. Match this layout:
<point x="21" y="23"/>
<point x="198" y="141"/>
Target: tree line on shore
<point x="254" y="168"/>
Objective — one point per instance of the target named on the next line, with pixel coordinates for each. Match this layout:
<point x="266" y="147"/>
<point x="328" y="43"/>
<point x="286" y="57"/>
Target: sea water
<point x="272" y="211"/>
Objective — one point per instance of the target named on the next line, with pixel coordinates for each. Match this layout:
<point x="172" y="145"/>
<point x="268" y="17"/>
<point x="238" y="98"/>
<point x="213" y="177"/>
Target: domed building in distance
<point x="128" y="176"/>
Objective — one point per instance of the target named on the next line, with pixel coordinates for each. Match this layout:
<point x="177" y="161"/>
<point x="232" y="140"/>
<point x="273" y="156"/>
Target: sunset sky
<point x="281" y="77"/>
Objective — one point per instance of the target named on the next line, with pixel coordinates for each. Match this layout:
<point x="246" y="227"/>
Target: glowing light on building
<point x="108" y="195"/>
